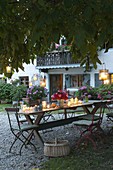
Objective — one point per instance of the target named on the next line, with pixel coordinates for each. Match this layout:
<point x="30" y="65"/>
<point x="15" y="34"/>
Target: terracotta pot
<point x="26" y="100"/>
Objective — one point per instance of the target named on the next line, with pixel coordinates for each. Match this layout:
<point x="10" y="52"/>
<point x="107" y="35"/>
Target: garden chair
<point x="109" y="116"/>
<point x="19" y="130"/>
<point x="89" y="127"/>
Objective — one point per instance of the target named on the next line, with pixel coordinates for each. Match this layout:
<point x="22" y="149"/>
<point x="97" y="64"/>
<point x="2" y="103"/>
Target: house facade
<point x="62" y="72"/>
<point x="29" y="76"/>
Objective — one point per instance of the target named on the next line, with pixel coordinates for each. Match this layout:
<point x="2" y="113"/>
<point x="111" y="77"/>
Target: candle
<point x="80" y="101"/>
<point x="72" y="100"/>
<point x="44" y="104"/>
<point x="76" y="100"/>
<point x="48" y="106"/>
<point x="69" y="103"/>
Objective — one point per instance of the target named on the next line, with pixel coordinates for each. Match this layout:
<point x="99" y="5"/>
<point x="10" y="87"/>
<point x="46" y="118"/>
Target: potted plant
<point x="36" y="94"/>
<point x="60" y="96"/>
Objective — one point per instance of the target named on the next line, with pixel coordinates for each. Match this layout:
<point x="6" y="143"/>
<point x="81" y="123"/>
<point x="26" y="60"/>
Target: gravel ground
<point x="30" y="158"/>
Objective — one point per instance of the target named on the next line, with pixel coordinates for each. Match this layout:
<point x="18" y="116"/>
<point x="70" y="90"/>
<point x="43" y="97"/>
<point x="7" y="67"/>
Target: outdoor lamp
<point x="103" y="74"/>
<point x="43" y="82"/>
<point x="35" y="77"/>
<point x="106" y="81"/>
<point x="30" y="84"/>
<point x="8" y="69"/>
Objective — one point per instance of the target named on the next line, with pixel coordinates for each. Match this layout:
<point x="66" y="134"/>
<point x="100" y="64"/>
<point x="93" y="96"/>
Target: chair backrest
<point x="11" y="112"/>
<point x="101" y="110"/>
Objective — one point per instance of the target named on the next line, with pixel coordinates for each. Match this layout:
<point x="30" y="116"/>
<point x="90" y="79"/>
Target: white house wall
<point x="29" y="70"/>
<point x="106" y="58"/>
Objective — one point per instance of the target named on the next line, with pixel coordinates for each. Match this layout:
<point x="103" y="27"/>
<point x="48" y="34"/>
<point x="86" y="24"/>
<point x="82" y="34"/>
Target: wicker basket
<point x="56" y="148"/>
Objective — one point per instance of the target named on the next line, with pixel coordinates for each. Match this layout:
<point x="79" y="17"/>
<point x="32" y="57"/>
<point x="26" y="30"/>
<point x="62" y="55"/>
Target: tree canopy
<point x="28" y="28"/>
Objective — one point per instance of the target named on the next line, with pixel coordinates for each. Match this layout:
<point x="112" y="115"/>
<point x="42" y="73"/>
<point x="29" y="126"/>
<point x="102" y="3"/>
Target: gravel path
<point x="30" y="159"/>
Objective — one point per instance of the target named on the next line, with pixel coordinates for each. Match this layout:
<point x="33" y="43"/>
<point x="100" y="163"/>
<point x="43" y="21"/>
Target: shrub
<point x="5" y="90"/>
<point x="88" y="91"/>
<point x="18" y="92"/>
<point x="105" y="91"/>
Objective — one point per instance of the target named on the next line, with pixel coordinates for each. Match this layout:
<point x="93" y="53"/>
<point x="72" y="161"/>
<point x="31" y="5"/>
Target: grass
<point x="2" y="107"/>
<point x="85" y="158"/>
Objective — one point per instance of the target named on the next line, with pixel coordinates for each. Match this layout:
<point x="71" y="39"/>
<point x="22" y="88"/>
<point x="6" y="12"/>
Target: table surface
<point x="65" y="107"/>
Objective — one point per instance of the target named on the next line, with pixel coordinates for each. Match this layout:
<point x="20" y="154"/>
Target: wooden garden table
<point x="66" y="120"/>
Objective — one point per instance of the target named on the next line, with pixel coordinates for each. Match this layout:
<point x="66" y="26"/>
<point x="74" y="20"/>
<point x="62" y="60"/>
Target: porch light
<point x="30" y="84"/>
<point x="103" y="74"/>
<point x="43" y="82"/>
<point x="35" y="77"/>
<point x="106" y="81"/>
<point x="8" y="69"/>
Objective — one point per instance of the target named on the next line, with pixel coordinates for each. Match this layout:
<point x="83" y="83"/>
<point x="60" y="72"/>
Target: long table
<point x="89" y="108"/>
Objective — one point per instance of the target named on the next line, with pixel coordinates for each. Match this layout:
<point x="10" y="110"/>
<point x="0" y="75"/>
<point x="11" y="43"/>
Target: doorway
<point x="56" y="83"/>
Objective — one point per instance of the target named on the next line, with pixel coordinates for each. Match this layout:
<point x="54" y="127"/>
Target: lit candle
<point x="69" y="103"/>
<point x="76" y="100"/>
<point x="80" y="101"/>
<point x="44" y="104"/>
<point x="48" y="106"/>
<point x="72" y="100"/>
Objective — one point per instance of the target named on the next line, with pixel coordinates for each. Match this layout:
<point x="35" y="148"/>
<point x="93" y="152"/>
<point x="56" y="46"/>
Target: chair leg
<point x="17" y="137"/>
<point x="27" y="141"/>
<point x="86" y="137"/>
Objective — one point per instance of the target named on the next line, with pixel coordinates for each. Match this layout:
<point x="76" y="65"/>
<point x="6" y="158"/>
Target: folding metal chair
<point x="19" y="130"/>
<point x="90" y="127"/>
<point x="109" y="116"/>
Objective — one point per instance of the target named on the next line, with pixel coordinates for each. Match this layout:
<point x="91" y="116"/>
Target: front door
<point x="56" y="83"/>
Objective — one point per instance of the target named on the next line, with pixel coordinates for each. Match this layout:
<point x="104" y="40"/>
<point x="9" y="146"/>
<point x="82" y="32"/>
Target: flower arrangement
<point x="36" y="92"/>
<point x="60" y="95"/>
<point x="84" y="91"/>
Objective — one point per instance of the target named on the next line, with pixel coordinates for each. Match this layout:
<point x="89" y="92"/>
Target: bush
<point x="18" y="92"/>
<point x="104" y="91"/>
<point x="9" y="92"/>
<point x="5" y="90"/>
<point x="88" y="91"/>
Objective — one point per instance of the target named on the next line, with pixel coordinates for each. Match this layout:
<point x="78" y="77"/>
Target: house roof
<point x="58" y="66"/>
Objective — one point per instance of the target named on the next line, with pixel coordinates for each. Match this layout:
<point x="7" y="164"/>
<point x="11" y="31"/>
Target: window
<point x="77" y="80"/>
<point x="2" y="80"/>
<point x="97" y="81"/>
<point x="24" y="80"/>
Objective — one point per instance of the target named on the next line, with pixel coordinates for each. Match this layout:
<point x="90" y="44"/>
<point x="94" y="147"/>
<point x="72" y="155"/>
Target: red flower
<point x="60" y="95"/>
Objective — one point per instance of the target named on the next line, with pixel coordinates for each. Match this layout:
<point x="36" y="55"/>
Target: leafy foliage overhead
<point x="28" y="28"/>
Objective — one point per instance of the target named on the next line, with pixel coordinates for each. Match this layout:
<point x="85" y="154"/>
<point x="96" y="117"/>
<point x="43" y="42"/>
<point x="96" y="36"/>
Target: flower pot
<point x="61" y="103"/>
<point x="34" y="102"/>
<point x="26" y="100"/>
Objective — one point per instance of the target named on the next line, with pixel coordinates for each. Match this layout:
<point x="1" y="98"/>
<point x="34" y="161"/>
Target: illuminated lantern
<point x="8" y="69"/>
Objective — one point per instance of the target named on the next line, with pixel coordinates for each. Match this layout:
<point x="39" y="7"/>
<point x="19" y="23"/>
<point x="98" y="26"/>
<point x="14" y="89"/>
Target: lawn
<point x="85" y="158"/>
<point x="2" y="107"/>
